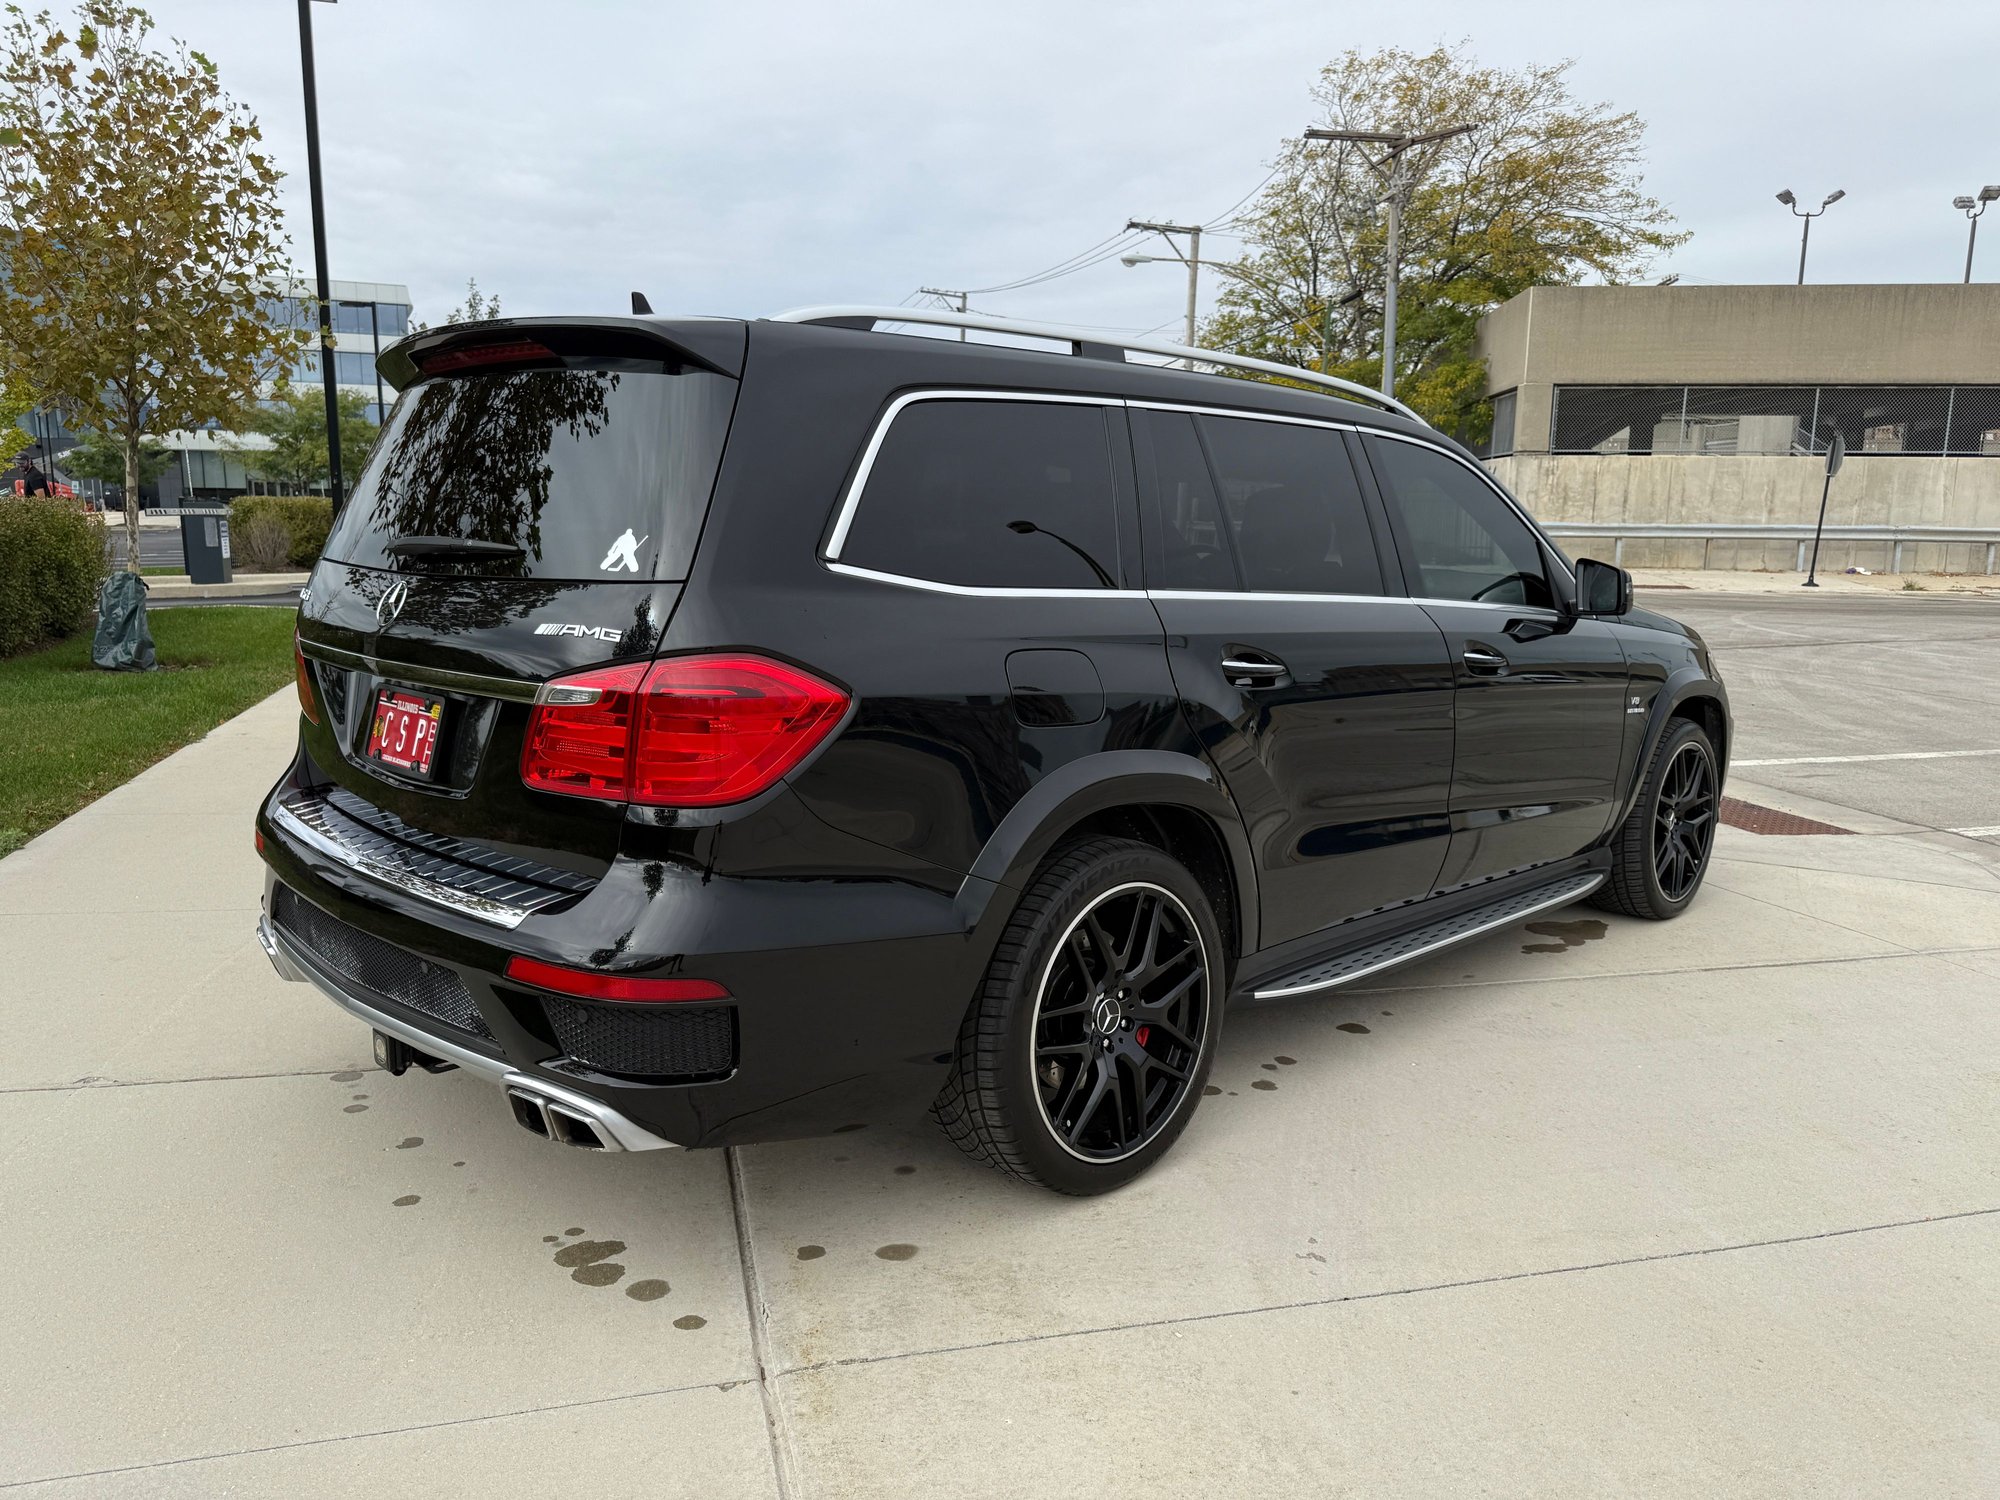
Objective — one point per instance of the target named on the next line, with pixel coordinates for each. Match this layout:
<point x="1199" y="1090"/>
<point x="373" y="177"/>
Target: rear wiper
<point x="450" y="546"/>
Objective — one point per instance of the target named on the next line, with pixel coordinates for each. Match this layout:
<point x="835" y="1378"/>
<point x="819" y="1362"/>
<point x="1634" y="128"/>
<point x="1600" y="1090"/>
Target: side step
<point x="1326" y="973"/>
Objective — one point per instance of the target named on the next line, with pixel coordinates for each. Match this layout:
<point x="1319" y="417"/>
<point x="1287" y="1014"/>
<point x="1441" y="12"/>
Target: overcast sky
<point x="750" y="157"/>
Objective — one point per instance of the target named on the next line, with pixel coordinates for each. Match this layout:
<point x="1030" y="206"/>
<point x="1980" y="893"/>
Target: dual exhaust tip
<point x="555" y="1121"/>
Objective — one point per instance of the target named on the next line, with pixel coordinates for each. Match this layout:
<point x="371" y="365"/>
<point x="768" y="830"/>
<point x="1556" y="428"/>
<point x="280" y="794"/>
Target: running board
<point x="1326" y="973"/>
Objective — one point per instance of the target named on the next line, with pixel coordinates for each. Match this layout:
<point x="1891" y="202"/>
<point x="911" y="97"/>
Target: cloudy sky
<point x="747" y="157"/>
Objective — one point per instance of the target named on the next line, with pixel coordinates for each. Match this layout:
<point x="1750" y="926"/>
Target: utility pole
<point x="1193" y="258"/>
<point x="1400" y="181"/>
<point x="326" y="359"/>
<point x="938" y="291"/>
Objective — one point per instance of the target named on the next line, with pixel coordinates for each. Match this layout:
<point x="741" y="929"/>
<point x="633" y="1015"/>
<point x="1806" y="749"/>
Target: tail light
<point x="687" y="731"/>
<point x="308" y="705"/>
<point x="590" y="984"/>
<point x="513" y="352"/>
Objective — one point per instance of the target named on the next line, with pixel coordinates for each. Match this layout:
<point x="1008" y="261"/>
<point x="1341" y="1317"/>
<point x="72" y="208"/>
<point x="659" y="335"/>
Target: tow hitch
<point x="396" y="1057"/>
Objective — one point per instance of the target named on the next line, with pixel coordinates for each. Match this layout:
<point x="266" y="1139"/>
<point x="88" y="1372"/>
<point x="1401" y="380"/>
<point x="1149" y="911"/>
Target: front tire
<point x="1084" y="1054"/>
<point x="1661" y="851"/>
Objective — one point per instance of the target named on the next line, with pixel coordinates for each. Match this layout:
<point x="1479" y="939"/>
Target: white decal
<point x="624" y="554"/>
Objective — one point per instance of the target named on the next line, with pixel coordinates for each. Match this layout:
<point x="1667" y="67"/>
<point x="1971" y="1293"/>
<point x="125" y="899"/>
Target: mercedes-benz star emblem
<point x="1106" y="1015"/>
<point x="390" y="604"/>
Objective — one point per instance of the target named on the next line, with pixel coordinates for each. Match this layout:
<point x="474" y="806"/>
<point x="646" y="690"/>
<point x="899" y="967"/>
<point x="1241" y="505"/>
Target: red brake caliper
<point x="1141" y="1034"/>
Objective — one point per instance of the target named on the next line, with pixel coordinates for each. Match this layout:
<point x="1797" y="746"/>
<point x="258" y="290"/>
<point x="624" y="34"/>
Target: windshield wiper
<point x="450" y="546"/>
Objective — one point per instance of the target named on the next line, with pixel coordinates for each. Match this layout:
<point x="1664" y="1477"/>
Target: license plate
<point x="405" y="732"/>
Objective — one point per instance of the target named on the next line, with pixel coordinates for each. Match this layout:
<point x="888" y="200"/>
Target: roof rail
<point x="1088" y="342"/>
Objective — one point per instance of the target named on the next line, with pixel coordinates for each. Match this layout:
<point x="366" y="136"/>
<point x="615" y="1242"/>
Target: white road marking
<point x="1841" y="760"/>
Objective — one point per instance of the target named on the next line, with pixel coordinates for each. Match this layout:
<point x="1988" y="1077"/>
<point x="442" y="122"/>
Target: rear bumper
<point x="613" y="1131"/>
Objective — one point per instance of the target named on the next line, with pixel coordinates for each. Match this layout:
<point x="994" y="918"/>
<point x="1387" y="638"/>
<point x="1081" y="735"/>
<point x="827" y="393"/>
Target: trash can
<point x="205" y="546"/>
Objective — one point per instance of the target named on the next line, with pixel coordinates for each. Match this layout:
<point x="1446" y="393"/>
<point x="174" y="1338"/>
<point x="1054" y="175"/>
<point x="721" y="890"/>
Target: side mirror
<point x="1602" y="589"/>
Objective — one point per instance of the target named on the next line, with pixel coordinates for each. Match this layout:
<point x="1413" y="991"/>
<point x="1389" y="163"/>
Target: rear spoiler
<point x="715" y="344"/>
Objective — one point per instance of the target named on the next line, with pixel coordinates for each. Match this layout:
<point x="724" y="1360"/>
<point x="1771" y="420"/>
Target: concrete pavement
<point x="1593" y="1207"/>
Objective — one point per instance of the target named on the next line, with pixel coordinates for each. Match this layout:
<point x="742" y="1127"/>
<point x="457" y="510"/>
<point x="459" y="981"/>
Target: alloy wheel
<point x="1684" y="821"/>
<point x="1119" y="1021"/>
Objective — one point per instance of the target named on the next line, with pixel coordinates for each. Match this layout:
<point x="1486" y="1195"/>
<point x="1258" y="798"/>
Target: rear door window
<point x="991" y="494"/>
<point x="1294" y="509"/>
<point x="598" y="470"/>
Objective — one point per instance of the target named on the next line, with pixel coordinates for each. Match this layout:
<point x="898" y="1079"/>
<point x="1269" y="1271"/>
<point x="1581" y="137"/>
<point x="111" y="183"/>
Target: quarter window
<point x="1466" y="542"/>
<point x="991" y="494"/>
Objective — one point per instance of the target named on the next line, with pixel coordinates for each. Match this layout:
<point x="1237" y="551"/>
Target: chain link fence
<point x="1915" y="419"/>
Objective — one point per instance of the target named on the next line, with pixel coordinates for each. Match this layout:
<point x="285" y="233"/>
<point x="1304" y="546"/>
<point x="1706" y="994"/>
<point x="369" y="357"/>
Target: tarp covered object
<point x="123" y="643"/>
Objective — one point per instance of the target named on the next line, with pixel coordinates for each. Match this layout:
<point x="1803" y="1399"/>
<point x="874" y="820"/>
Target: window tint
<point x="592" y="472"/>
<point x="991" y="494"/>
<point x="1194" y="539"/>
<point x="1466" y="542"/>
<point x="1294" y="510"/>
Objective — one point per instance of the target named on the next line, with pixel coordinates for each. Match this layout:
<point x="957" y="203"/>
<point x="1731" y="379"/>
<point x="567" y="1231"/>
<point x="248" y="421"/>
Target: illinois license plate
<point x="405" y="732"/>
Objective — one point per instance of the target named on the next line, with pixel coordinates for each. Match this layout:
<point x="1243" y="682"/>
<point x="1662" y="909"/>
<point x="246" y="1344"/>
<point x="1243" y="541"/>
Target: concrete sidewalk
<point x="1593" y="1207"/>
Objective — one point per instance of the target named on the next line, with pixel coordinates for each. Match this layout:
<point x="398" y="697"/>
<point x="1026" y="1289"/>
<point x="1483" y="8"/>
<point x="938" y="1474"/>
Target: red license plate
<point x="405" y="732"/>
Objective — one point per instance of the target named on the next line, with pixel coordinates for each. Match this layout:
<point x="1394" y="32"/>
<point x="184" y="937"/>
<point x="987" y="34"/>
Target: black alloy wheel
<point x="1119" y="1010"/>
<point x="1660" y="853"/>
<point x="1083" y="1055"/>
<point x="1684" y="820"/>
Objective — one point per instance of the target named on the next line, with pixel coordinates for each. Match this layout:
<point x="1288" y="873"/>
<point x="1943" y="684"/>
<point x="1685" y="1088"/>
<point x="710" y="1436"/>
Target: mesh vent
<point x="373" y="964"/>
<point x="648" y="1041"/>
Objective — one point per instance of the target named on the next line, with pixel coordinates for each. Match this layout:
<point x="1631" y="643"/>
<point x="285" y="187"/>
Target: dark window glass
<point x="991" y="494"/>
<point x="593" y="472"/>
<point x="1466" y="542"/>
<point x="1501" y="442"/>
<point x="395" y="318"/>
<point x="1194" y="537"/>
<point x="1294" y="509"/>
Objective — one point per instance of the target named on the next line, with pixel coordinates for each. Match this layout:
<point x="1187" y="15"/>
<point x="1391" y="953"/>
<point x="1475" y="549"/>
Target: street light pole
<point x="326" y="360"/>
<point x="1805" y="235"/>
<point x="1973" y="208"/>
<point x="1193" y="259"/>
<point x="1398" y="143"/>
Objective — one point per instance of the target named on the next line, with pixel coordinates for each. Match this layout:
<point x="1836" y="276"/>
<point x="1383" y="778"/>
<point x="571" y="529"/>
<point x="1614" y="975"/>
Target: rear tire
<point x="1084" y="1054"/>
<point x="1661" y="851"/>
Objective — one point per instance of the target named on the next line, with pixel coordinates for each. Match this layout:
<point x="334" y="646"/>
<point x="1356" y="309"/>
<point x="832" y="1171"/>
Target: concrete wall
<point x="1672" y="489"/>
<point x="1932" y="334"/>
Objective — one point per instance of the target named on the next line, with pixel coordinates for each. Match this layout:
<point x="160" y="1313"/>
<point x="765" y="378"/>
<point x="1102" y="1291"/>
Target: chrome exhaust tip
<point x="565" y="1122"/>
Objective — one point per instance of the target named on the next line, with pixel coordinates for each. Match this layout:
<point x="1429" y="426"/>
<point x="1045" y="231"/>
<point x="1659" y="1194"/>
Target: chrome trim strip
<point x="850" y="501"/>
<point x="941" y="318"/>
<point x="969" y="591"/>
<point x="1254" y="416"/>
<point x="618" y="1132"/>
<point x="499" y="913"/>
<point x="1576" y="892"/>
<point x="1230" y="597"/>
<point x="410" y="672"/>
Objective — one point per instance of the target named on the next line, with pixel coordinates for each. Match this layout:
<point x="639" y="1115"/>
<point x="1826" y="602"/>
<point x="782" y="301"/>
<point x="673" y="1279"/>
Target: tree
<point x="101" y="458"/>
<point x="295" y="422"/>
<point x="138" y="220"/>
<point x="476" y="308"/>
<point x="1545" y="190"/>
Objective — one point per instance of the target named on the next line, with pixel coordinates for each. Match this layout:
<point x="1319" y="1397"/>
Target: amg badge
<point x="602" y="633"/>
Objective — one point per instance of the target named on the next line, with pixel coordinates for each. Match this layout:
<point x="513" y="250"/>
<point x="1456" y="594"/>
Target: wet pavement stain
<point x="576" y="1231"/>
<point x="905" y="1171"/>
<point x="1209" y="1091"/>
<point x="407" y="1199"/>
<point x="408" y="1142"/>
<point x="551" y="1239"/>
<point x="649" y="1290"/>
<point x="811" y="1252"/>
<point x="358" y="1096"/>
<point x="1354" y="1027"/>
<point x="690" y="1321"/>
<point x="458" y="1164"/>
<point x="1286" y="1061"/>
<point x="584" y="1252"/>
<point x="1269" y="1067"/>
<point x="602" y="1274"/>
<point x="1266" y="1085"/>
<point x="897" y="1252"/>
<point x="354" y="1109"/>
<point x="346" y="1077"/>
<point x="1568" y="935"/>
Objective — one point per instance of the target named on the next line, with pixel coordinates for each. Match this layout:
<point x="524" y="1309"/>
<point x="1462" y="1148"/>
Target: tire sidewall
<point x="1686" y="733"/>
<point x="1043" y="928"/>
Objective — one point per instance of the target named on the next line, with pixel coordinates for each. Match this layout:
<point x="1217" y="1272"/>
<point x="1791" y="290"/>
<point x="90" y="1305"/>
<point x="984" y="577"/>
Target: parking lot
<point x="1590" y="1207"/>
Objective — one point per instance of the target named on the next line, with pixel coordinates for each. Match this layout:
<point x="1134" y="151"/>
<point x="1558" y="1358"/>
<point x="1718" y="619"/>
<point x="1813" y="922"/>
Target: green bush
<point x="51" y="558"/>
<point x="308" y="518"/>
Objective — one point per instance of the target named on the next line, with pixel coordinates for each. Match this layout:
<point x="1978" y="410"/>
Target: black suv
<point x="720" y="731"/>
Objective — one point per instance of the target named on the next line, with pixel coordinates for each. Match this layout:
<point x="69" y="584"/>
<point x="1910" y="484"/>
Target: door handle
<point x="1244" y="670"/>
<point x="1485" y="660"/>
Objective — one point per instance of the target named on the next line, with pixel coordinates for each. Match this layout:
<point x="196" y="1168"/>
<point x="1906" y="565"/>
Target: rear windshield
<point x="598" y="470"/>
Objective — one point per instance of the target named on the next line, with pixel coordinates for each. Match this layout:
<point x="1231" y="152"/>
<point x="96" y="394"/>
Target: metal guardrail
<point x="1896" y="536"/>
